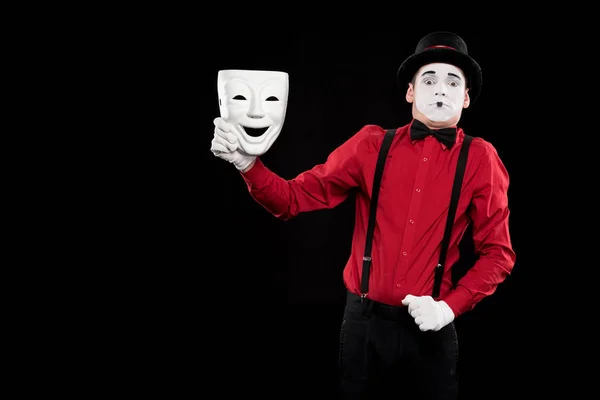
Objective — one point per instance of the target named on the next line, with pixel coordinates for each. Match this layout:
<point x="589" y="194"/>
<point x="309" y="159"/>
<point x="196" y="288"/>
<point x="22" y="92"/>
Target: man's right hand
<point x="225" y="146"/>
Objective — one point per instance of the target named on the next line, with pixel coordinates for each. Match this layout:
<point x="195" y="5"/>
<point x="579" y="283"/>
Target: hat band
<point x="440" y="46"/>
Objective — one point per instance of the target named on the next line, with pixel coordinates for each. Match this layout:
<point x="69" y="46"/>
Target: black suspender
<point x="458" y="178"/>
<point x="385" y="146"/>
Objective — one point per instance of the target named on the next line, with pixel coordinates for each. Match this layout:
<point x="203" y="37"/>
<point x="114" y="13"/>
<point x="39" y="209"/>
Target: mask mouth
<point x="439" y="104"/>
<point x="254" y="132"/>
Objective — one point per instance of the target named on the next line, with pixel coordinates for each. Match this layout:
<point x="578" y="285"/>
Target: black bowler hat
<point x="442" y="47"/>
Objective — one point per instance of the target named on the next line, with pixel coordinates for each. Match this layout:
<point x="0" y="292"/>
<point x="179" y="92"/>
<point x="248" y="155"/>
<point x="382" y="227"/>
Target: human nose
<point x="441" y="90"/>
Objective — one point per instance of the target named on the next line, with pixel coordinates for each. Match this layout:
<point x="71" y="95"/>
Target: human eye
<point x="454" y="83"/>
<point x="429" y="81"/>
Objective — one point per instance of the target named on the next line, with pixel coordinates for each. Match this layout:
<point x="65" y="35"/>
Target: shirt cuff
<point x="256" y="174"/>
<point x="459" y="300"/>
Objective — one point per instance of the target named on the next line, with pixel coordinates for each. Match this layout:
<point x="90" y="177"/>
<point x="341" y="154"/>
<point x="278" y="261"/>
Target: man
<point x="397" y="334"/>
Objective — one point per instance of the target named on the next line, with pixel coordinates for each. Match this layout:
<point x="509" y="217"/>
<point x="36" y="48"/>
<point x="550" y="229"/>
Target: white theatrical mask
<point x="440" y="91"/>
<point x="254" y="102"/>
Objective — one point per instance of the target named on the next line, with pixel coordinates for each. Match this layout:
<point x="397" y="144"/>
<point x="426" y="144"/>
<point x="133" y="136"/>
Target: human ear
<point x="410" y="93"/>
<point x="467" y="100"/>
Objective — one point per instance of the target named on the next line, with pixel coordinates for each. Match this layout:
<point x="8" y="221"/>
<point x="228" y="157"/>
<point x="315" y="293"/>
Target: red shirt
<point x="413" y="203"/>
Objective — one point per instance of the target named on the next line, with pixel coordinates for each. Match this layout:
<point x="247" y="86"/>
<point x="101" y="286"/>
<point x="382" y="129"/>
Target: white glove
<point x="225" y="146"/>
<point x="428" y="313"/>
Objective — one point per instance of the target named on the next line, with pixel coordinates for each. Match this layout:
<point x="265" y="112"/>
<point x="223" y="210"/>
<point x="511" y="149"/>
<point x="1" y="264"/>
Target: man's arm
<point x="324" y="186"/>
<point x="490" y="215"/>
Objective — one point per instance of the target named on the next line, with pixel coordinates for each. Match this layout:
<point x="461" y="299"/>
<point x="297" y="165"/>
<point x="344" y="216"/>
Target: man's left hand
<point x="429" y="315"/>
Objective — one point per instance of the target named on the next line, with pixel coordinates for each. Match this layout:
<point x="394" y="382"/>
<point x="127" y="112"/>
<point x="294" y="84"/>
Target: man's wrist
<point x="249" y="167"/>
<point x="446" y="312"/>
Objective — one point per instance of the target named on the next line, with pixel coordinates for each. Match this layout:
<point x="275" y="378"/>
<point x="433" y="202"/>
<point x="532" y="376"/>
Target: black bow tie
<point x="447" y="136"/>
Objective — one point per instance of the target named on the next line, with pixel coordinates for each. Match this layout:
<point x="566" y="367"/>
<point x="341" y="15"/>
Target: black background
<point x="222" y="297"/>
<point x="157" y="271"/>
<point x="284" y="279"/>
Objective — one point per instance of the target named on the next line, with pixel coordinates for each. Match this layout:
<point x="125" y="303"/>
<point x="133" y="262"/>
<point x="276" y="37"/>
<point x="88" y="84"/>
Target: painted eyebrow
<point x="433" y="73"/>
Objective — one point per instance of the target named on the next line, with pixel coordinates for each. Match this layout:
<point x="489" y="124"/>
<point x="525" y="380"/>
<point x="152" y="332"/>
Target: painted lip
<point x="435" y="104"/>
<point x="254" y="132"/>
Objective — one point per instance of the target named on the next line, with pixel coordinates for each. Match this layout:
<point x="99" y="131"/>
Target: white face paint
<point x="440" y="91"/>
<point x="255" y="103"/>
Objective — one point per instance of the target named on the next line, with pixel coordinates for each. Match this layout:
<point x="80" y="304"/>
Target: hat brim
<point x="469" y="66"/>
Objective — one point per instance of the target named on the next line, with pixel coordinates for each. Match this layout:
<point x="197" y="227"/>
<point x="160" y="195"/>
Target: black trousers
<point x="384" y="355"/>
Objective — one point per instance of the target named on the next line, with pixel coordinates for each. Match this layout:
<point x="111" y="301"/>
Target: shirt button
<point x="418" y="190"/>
<point x="425" y="159"/>
<point x="398" y="285"/>
<point x="404" y="253"/>
<point x="412" y="222"/>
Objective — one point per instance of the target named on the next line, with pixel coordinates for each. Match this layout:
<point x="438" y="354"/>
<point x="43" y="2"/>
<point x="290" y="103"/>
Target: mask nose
<point x="255" y="111"/>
